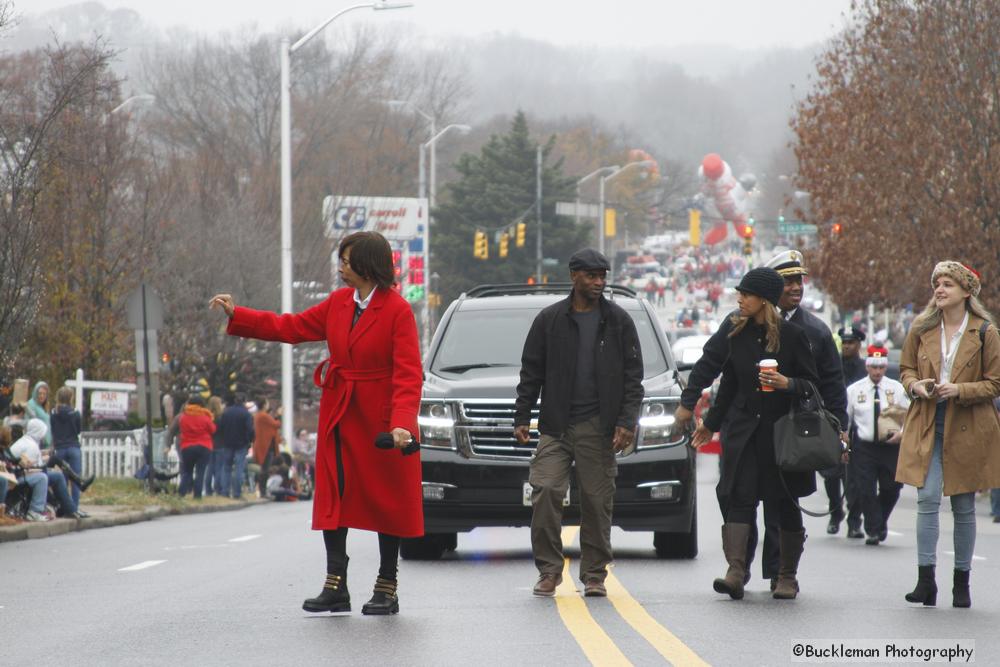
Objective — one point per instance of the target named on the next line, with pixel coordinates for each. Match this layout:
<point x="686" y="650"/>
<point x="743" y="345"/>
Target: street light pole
<point x="538" y="215"/>
<point x="605" y="179"/>
<point x="422" y="193"/>
<point x="286" y="51"/>
<point x="580" y="183"/>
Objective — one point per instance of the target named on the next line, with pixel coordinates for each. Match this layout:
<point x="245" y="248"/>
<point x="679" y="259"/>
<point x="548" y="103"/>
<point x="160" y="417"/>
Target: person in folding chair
<point x="753" y="395"/>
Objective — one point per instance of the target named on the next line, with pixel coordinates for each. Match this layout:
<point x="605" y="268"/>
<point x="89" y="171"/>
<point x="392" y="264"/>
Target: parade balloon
<point x="726" y="194"/>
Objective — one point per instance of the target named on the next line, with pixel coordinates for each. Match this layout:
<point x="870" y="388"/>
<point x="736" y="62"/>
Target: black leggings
<point x="336" y="552"/>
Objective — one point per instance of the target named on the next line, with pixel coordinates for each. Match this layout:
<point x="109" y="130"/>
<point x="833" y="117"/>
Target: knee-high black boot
<point x="926" y="589"/>
<point x="70" y="474"/>
<point x="334" y="597"/>
<point x="960" y="596"/>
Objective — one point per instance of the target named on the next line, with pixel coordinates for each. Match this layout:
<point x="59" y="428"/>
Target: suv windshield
<point x="492" y="338"/>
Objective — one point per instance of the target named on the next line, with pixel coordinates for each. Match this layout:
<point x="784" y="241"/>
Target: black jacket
<point x="750" y="413"/>
<point x="824" y="350"/>
<point x="236" y="424"/>
<point x="549" y="359"/>
<point x="854" y="370"/>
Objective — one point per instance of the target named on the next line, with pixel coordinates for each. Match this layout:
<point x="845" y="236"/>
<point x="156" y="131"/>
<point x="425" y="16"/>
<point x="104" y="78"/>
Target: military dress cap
<point x="788" y="263"/>
<point x="851" y="334"/>
<point x="588" y="259"/>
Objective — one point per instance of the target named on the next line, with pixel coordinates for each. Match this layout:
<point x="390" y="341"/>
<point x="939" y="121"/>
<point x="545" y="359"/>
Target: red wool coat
<point x="371" y="384"/>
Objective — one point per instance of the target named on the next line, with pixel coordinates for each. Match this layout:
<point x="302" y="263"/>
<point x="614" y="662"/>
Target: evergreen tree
<point x="496" y="188"/>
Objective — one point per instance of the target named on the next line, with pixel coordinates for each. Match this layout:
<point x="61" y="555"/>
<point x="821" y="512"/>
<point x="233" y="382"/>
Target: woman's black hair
<point x="371" y="257"/>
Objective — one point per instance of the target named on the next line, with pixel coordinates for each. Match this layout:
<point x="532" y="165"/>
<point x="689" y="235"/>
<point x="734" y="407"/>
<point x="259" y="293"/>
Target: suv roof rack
<point x="545" y="288"/>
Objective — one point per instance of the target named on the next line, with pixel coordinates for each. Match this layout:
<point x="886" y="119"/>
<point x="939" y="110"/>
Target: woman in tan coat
<point x="951" y="366"/>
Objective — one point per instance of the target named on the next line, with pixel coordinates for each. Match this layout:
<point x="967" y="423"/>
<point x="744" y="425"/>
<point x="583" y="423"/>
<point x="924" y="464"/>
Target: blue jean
<point x="3" y="489"/>
<point x="995" y="502"/>
<point x="240" y="474"/>
<point x="39" y="483"/>
<point x="194" y="460"/>
<point x="74" y="459"/>
<point x="211" y="481"/>
<point x="963" y="511"/>
<point x="227" y="472"/>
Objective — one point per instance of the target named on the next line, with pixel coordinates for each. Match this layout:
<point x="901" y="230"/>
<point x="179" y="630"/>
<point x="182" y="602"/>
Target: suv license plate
<point x="526" y="495"/>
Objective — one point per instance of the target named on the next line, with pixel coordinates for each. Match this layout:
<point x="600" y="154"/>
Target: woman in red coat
<point x="371" y="384"/>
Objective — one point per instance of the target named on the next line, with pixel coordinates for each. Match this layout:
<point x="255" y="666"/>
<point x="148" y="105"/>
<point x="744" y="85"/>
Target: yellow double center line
<point x="599" y="648"/>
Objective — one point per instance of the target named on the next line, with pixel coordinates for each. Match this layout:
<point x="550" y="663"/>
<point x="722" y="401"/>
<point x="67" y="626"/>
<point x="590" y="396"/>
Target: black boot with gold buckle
<point x="334" y="597"/>
<point x="384" y="600"/>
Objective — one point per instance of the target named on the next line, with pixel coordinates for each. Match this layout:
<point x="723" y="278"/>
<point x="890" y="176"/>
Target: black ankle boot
<point x="960" y="590"/>
<point x="926" y="589"/>
<point x="384" y="600"/>
<point x="334" y="597"/>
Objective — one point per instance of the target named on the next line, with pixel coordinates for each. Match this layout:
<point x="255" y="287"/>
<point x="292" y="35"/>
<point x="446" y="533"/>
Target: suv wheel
<point x="429" y="547"/>
<point x="678" y="545"/>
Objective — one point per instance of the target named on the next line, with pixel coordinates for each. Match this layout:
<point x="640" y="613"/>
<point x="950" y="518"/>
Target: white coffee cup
<point x="767" y="367"/>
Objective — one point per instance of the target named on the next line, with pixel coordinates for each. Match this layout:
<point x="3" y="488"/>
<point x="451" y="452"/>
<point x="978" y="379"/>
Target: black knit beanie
<point x="764" y="282"/>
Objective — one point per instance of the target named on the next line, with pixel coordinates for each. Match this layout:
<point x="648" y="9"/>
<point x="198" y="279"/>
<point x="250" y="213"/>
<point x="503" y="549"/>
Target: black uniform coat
<point x="854" y="370"/>
<point x="831" y="384"/>
<point x="751" y="413"/>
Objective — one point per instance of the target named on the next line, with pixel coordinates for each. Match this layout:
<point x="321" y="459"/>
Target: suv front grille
<point x="488" y="428"/>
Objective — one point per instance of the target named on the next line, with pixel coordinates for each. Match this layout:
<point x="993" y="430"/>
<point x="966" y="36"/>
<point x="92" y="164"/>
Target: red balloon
<point x="716" y="234"/>
<point x="711" y="165"/>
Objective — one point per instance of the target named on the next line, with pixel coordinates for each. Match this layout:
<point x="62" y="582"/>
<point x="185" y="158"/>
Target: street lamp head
<point x="391" y="5"/>
<point x="396" y="105"/>
<point x="463" y="129"/>
<point x="145" y="97"/>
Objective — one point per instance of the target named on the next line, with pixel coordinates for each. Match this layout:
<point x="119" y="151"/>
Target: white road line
<point x="245" y="538"/>
<point x="141" y="566"/>
<point x="974" y="556"/>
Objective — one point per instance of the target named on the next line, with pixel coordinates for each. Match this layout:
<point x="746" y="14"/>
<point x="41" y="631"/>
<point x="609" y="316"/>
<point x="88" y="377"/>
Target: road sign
<point x="793" y="228"/>
<point x="154" y="309"/>
<point x="396" y="218"/>
<point x="571" y="209"/>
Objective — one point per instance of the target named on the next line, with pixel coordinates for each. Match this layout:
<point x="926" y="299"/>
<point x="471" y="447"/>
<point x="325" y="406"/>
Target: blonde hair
<point x="772" y="324"/>
<point x="64" y="396"/>
<point x="215" y="406"/>
<point x="931" y="315"/>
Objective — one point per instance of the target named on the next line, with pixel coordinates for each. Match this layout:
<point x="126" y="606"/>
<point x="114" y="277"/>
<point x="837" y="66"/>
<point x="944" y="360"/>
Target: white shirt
<point x="950" y="348"/>
<point x="861" y="403"/>
<point x="357" y="298"/>
<point x="789" y="314"/>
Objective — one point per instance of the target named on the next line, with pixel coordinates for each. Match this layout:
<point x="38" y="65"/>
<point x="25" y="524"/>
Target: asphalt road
<point x="226" y="589"/>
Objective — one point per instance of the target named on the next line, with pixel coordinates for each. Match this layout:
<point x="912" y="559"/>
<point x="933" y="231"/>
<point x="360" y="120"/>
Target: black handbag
<point x="807" y="439"/>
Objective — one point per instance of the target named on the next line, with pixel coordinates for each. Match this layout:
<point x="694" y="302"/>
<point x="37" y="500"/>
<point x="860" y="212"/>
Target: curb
<point x="38" y="530"/>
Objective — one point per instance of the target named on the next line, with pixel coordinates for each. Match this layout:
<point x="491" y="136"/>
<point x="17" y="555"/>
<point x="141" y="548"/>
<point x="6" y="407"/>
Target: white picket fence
<point x="115" y="453"/>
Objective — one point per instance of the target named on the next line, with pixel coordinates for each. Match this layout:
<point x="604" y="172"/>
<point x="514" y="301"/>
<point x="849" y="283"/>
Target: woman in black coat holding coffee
<point x="751" y="400"/>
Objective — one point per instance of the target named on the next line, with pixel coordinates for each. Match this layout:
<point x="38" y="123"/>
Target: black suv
<point x="474" y="471"/>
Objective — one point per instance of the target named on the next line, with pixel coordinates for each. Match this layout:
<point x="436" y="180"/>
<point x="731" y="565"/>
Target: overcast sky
<point x="626" y="23"/>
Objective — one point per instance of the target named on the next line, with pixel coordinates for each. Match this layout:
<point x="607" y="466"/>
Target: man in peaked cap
<point x="850" y="354"/>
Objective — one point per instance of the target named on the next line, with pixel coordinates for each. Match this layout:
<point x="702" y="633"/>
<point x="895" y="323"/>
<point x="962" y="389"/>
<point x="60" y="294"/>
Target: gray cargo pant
<point x="596" y="469"/>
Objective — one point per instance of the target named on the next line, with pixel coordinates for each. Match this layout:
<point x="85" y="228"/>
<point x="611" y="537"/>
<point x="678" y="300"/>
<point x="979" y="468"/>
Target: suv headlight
<point x="656" y="423"/>
<point x="437" y="425"/>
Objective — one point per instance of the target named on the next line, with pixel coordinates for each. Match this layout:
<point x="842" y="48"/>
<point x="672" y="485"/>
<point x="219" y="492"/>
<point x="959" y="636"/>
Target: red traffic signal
<point x="747" y="231"/>
<point x="837" y="228"/>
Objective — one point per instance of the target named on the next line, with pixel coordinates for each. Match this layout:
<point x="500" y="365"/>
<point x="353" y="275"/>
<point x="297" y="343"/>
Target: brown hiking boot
<point x="546" y="586"/>
<point x="594" y="588"/>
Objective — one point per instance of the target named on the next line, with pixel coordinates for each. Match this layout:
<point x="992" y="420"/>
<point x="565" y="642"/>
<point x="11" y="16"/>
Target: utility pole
<point x="538" y="216"/>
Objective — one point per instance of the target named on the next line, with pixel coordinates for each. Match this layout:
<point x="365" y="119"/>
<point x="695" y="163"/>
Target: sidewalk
<point x="105" y="516"/>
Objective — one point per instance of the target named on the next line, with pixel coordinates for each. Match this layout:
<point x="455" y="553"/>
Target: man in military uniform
<point x="875" y="442"/>
<point x="832" y="388"/>
<point x="850" y="354"/>
<point x="854" y="370"/>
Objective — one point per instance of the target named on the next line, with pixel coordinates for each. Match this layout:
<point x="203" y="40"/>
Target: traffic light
<point x="504" y="242"/>
<point x="837" y="228"/>
<point x="748" y="231"/>
<point x="519" y="239"/>
<point x="397" y="264"/>
<point x="481" y="248"/>
<point x="748" y="245"/>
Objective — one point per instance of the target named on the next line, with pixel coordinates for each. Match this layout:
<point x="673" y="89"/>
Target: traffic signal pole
<point x="538" y="215"/>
